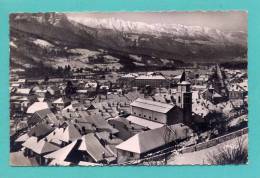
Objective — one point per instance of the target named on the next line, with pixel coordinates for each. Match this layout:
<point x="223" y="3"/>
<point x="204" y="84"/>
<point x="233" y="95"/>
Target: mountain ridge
<point x="188" y="45"/>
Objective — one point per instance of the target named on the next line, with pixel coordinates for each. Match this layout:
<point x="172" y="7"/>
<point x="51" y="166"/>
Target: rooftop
<point x="185" y="83"/>
<point x="130" y="75"/>
<point x="24" y="91"/>
<point x="70" y="134"/>
<point x="93" y="147"/>
<point x="150" y="77"/>
<point x="144" y="141"/>
<point x="144" y="122"/>
<point x="39" y="147"/>
<point x="37" y="106"/>
<point x="152" y="105"/>
<point x="62" y="154"/>
<point x="61" y="100"/>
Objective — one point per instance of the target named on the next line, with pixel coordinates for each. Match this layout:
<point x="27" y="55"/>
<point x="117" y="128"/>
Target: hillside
<point x="58" y="39"/>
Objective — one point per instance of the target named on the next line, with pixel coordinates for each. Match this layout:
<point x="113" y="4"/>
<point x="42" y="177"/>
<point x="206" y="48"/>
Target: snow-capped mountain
<point x="173" y="30"/>
<point x="122" y="38"/>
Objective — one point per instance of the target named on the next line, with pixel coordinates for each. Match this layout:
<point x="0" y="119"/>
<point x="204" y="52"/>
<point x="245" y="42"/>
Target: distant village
<point x="119" y="118"/>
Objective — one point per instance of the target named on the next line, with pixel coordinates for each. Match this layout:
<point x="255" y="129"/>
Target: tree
<point x="46" y="79"/>
<point x="238" y="154"/>
<point x="70" y="89"/>
<point x="166" y="154"/>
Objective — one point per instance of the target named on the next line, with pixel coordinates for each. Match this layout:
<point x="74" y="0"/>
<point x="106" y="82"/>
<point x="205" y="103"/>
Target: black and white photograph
<point x="128" y="88"/>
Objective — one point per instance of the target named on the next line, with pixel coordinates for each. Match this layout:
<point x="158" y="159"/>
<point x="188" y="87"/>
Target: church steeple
<point x="184" y="98"/>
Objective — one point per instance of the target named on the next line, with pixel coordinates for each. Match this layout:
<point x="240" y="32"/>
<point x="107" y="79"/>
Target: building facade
<point x="156" y="81"/>
<point x="156" y="111"/>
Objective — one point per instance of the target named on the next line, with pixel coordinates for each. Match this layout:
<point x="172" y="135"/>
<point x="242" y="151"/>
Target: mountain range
<point x="58" y="33"/>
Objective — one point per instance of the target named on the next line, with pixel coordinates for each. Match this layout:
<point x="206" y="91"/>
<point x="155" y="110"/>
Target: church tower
<point x="184" y="98"/>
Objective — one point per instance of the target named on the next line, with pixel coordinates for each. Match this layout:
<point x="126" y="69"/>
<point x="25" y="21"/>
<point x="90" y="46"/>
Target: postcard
<point x="128" y="88"/>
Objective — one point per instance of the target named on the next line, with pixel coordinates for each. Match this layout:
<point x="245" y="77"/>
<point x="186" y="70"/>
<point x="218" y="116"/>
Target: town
<point x="93" y="117"/>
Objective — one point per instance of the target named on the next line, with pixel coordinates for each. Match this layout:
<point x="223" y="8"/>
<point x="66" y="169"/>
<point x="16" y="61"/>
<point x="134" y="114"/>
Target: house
<point x="201" y="80"/>
<point x="42" y="93"/>
<point x="212" y="95"/>
<point x="144" y="143"/>
<point x="61" y="103"/>
<point x="65" y="154"/>
<point x="43" y="116"/>
<point x="16" y="85"/>
<point x="127" y="79"/>
<point x="81" y="94"/>
<point x="235" y="91"/>
<point x="85" y="149"/>
<point x="91" y="84"/>
<point x="54" y="91"/>
<point x="23" y="91"/>
<point x="63" y="136"/>
<point x="154" y="80"/>
<point x="38" y="149"/>
<point x="19" y="103"/>
<point x="22" y="82"/>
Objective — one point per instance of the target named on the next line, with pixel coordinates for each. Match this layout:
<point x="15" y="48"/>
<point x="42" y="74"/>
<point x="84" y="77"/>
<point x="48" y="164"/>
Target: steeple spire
<point x="183" y="76"/>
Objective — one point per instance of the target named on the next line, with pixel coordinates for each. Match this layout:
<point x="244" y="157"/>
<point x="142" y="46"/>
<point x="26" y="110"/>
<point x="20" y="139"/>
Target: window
<point x="139" y="114"/>
<point x="179" y="99"/>
<point x="144" y="115"/>
<point x="149" y="117"/>
<point x="155" y="118"/>
<point x="134" y="113"/>
<point x="131" y="154"/>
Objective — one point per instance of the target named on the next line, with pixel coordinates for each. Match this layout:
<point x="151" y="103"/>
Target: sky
<point x="223" y="20"/>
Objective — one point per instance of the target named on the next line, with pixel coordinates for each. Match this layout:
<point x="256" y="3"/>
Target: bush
<point x="238" y="154"/>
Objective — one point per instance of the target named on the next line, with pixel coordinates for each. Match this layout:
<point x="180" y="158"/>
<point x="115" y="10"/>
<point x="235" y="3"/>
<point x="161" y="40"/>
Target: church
<point x="153" y="114"/>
